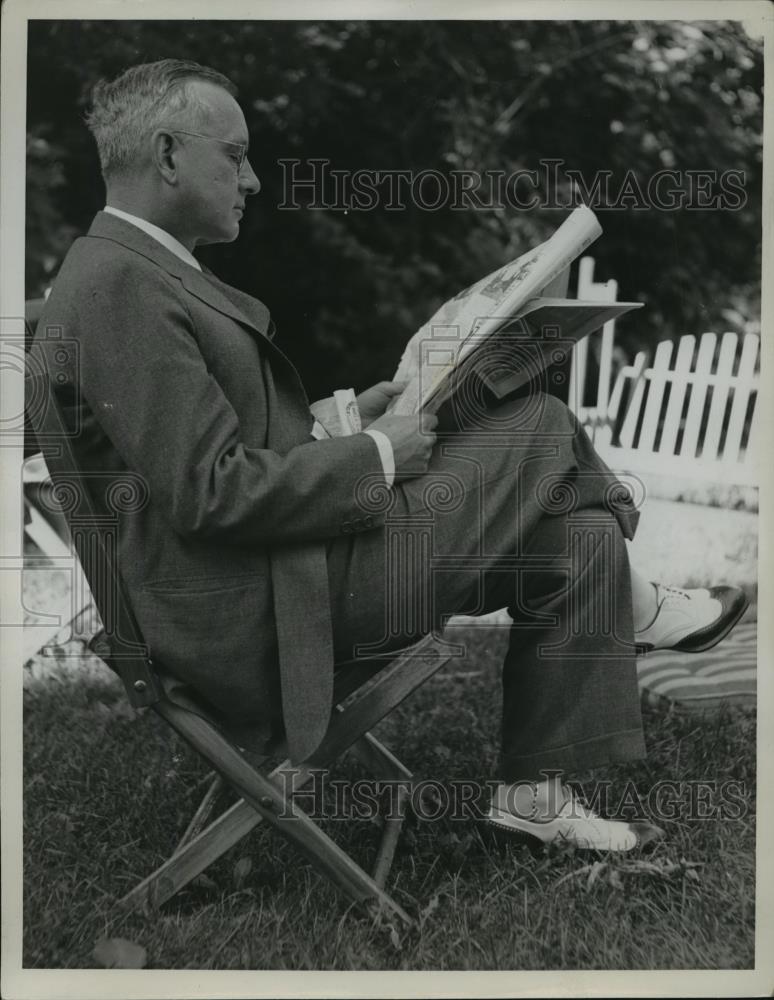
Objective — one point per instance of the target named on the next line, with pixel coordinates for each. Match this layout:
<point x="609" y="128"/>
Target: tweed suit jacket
<point x="173" y="377"/>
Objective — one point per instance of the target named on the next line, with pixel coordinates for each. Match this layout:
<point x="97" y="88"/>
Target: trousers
<point x="516" y="511"/>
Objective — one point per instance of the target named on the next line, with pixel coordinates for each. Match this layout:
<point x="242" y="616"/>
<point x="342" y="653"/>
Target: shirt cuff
<point x="384" y="445"/>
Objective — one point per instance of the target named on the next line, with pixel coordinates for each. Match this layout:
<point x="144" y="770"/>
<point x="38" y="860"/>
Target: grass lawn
<point x="107" y="793"/>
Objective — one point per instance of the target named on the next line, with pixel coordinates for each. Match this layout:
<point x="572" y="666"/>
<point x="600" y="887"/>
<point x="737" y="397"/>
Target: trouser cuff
<point x="601" y="751"/>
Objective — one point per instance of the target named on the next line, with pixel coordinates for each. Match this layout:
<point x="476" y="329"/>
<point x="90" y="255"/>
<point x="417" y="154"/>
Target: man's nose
<point x="248" y="182"/>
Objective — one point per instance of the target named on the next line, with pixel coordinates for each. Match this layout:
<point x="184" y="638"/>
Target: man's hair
<point x="130" y="108"/>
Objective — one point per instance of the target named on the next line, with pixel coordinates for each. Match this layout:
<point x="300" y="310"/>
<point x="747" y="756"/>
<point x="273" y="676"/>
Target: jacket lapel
<point x="253" y="309"/>
<point x="203" y="284"/>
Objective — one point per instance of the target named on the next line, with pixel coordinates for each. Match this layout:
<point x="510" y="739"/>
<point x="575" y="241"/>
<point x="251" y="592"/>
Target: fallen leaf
<point x="648" y="867"/>
<point x="242" y="869"/>
<point x="615" y="879"/>
<point x="596" y="870"/>
<point x="569" y="875"/>
<point x="120" y="953"/>
<point x="431" y="907"/>
<point x="205" y="882"/>
<point x="395" y="938"/>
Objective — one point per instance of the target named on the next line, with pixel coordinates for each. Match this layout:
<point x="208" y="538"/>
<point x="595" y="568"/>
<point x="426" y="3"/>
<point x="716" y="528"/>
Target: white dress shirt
<point x="161" y="235"/>
<point x="174" y="246"/>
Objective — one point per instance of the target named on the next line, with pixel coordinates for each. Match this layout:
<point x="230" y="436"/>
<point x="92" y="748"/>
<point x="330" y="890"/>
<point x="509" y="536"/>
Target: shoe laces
<point x="674" y="592"/>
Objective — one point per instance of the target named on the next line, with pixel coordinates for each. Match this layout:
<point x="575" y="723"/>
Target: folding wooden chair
<point x="365" y="692"/>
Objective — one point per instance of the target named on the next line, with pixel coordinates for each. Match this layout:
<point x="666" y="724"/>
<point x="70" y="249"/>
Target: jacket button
<point x="140" y="686"/>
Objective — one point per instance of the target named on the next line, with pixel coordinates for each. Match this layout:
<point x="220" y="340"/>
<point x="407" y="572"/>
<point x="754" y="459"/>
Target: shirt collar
<point x="161" y="235"/>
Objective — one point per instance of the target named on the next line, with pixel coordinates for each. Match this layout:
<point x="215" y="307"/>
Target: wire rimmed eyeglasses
<point x="239" y="159"/>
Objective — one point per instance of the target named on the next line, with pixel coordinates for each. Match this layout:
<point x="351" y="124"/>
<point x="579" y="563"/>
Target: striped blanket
<point x="703" y="680"/>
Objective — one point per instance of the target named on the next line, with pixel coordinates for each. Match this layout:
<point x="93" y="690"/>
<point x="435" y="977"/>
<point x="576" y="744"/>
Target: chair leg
<point x="266" y="798"/>
<point x="379" y="760"/>
<point x="193" y="858"/>
<point x="385" y="765"/>
<point x="203" y="813"/>
<point x="393" y="824"/>
<point x="196" y="853"/>
<point x="347" y="728"/>
<point x="388" y="689"/>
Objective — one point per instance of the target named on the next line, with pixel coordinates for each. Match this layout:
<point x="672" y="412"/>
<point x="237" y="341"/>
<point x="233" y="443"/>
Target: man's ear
<point x="165" y="149"/>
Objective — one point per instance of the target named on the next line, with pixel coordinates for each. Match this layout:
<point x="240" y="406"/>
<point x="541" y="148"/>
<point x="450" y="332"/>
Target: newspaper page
<point x="438" y="346"/>
<point x="528" y="344"/>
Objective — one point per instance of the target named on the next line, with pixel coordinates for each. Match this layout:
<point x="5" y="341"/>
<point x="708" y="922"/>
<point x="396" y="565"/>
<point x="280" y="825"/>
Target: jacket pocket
<point x="217" y="634"/>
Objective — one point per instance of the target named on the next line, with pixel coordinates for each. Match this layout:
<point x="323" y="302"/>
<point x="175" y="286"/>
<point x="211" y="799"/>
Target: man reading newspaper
<point x="260" y="558"/>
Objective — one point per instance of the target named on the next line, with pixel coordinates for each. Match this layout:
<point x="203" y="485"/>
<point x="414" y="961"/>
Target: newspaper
<point x="461" y="324"/>
<point x="543" y="334"/>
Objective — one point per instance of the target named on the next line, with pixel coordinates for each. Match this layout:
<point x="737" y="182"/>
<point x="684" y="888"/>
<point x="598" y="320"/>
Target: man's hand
<point x="412" y="439"/>
<point x="373" y="402"/>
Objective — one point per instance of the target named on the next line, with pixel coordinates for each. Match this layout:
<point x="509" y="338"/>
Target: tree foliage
<point x="347" y="288"/>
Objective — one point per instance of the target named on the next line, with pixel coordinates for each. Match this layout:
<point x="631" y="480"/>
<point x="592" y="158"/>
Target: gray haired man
<point x="265" y="553"/>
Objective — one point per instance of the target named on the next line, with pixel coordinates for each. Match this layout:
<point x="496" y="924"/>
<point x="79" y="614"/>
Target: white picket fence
<point x="593" y="291"/>
<point x="692" y="414"/>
